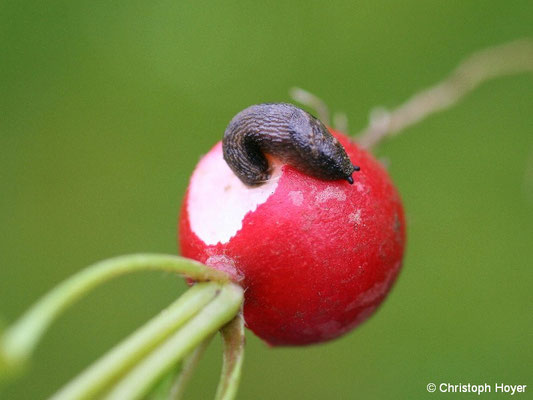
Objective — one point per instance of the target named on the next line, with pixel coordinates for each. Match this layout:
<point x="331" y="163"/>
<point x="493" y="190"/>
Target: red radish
<point x="315" y="257"/>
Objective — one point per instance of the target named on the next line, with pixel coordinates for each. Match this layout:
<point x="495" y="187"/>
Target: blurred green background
<point x="106" y="107"/>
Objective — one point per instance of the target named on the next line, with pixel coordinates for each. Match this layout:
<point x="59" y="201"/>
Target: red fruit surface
<point x="315" y="257"/>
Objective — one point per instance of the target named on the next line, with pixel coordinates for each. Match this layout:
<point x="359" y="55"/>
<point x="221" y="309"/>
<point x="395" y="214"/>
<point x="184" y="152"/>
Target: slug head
<point x="321" y="154"/>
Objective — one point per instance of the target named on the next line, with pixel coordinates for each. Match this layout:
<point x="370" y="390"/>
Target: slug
<point x="288" y="133"/>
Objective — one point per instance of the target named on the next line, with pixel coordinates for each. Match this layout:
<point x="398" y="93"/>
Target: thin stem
<point x="125" y="355"/>
<point x="189" y="365"/>
<point x="340" y="122"/>
<point x="234" y="340"/>
<point x="20" y="339"/>
<point x="511" y="58"/>
<point x="216" y="314"/>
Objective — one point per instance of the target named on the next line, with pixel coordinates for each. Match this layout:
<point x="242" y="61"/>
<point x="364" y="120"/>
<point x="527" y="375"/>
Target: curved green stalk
<point x="100" y="375"/>
<point x="19" y="340"/>
<point x="161" y="390"/>
<point x="234" y="340"/>
<point x="210" y="319"/>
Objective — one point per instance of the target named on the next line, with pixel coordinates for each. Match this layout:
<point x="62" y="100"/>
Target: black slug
<point x="289" y="133"/>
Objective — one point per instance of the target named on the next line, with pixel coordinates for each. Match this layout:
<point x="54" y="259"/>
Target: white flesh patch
<point x="331" y="193"/>
<point x="219" y="201"/>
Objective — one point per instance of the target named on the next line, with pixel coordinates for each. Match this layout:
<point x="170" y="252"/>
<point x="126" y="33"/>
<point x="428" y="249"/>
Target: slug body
<point x="288" y="133"/>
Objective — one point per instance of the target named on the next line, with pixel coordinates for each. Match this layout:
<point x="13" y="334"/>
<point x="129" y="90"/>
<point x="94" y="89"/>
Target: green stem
<point x="234" y="340"/>
<point x="189" y="365"/>
<point x="107" y="369"/>
<point x="161" y="390"/>
<point x="18" y="342"/>
<point x="212" y="317"/>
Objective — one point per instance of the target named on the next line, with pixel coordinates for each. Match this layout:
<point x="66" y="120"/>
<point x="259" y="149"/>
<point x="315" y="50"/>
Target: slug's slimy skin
<point x="288" y="133"/>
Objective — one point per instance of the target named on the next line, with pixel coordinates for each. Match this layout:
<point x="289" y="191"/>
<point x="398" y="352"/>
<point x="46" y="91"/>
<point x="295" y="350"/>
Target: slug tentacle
<point x="289" y="133"/>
